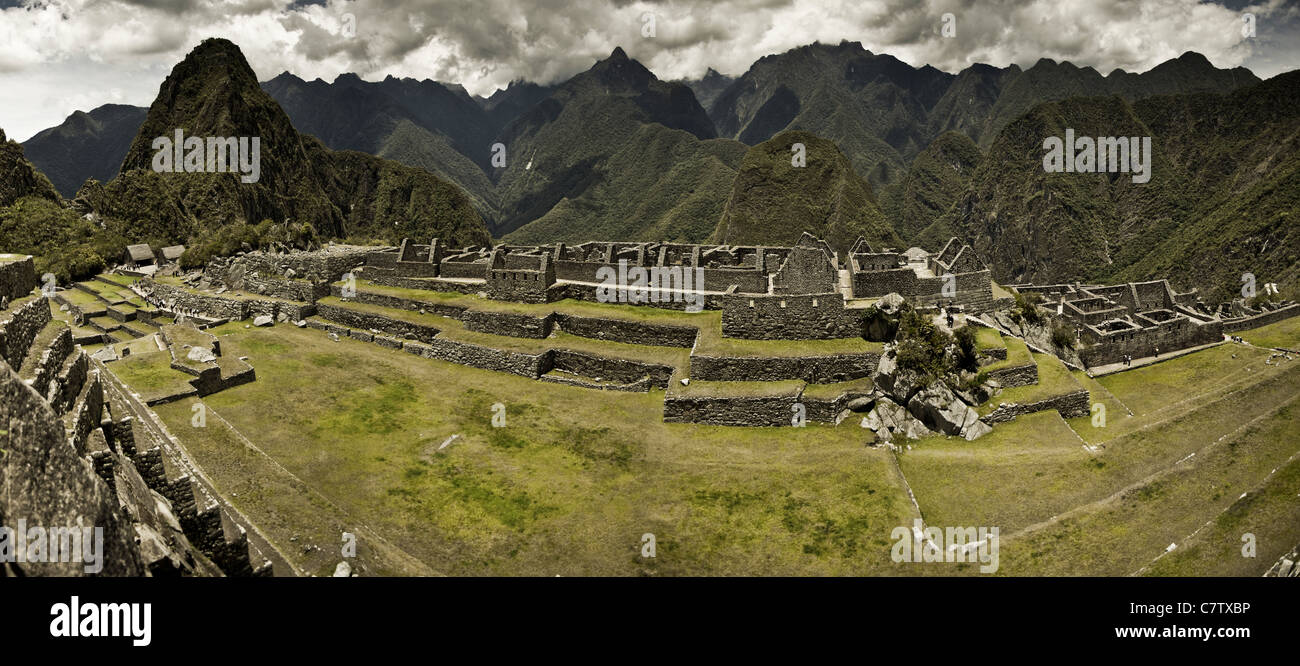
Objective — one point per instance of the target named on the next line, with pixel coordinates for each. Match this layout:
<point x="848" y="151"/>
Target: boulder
<point x="890" y="303"/>
<point x="976" y="430"/>
<point x="263" y="320"/>
<point x="899" y="384"/>
<point x="201" y="355"/>
<point x="106" y="354"/>
<point x="888" y="419"/>
<point x="301" y="323"/>
<point x="343" y="570"/>
<point x="862" y="404"/>
<point x="937" y="407"/>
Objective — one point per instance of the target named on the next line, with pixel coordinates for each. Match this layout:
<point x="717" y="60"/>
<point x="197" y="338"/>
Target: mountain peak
<point x="618" y="54"/>
<point x="1194" y="58"/>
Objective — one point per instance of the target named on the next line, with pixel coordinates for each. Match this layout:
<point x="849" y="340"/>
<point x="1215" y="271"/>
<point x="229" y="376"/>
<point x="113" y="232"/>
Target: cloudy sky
<point x="58" y="56"/>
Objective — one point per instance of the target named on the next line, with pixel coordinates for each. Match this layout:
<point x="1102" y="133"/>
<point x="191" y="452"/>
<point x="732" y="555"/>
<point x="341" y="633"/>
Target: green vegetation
<point x="772" y="201"/>
<point x="226" y="241"/>
<point x="1054" y="380"/>
<point x="568" y="487"/>
<point x="151" y="375"/>
<point x="1284" y="334"/>
<point x="1062" y="336"/>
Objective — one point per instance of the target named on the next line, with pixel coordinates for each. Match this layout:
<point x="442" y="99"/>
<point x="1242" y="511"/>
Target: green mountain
<point x="935" y="180"/>
<point x="662" y="184"/>
<point x="18" y="177"/>
<point x="341" y="194"/>
<point x="85" y="146"/>
<point x="882" y="112"/>
<point x="1218" y="204"/>
<point x="571" y="148"/>
<point x="708" y="88"/>
<point x="35" y="220"/>
<point x="773" y="201"/>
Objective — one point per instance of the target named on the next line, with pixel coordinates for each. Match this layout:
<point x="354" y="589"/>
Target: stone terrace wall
<point x="618" y="330"/>
<point x="1070" y="405"/>
<point x="175" y="299"/>
<point x="179" y="298"/>
<point x="17" y="278"/>
<point x="813" y="316"/>
<point x="20" y="327"/>
<point x="508" y="323"/>
<point x="812" y="369"/>
<point x="617" y="369"/>
<point x="532" y="326"/>
<point x="485" y="358"/>
<point x="1020" y="375"/>
<point x="737" y="411"/>
<point x="290" y="290"/>
<point x="367" y="321"/>
<point x="1261" y="319"/>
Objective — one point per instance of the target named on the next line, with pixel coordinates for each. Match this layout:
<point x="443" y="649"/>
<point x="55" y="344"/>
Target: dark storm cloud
<point x="484" y="44"/>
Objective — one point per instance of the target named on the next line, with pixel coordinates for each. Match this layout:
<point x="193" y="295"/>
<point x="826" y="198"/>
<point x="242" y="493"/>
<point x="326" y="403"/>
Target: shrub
<point x="1063" y="336"/>
<point x="1027" y="308"/>
<point x="966" y="354"/>
<point x="922" y="346"/>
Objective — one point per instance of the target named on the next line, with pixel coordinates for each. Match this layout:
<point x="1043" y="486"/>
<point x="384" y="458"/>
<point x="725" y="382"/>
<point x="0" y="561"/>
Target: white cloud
<point x="93" y="47"/>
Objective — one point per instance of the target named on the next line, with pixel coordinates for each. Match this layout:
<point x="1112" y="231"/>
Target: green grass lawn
<point x="1284" y="334"/>
<point x="1160" y="384"/>
<point x="568" y="486"/>
<point x="988" y="338"/>
<point x="151" y="375"/>
<point x="1120" y="536"/>
<point x="1053" y="379"/>
<point x="1017" y="355"/>
<point x="347" y="438"/>
<point x="1035" y="467"/>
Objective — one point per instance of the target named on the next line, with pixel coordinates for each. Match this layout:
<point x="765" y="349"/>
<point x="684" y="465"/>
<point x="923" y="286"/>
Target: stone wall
<point x="617" y="369"/>
<point x="1070" y="405"/>
<point x="791" y="317"/>
<point x="17" y="279"/>
<point x="367" y="321"/>
<point x="20" y="327"/>
<point x="730" y="411"/>
<point x="304" y="291"/>
<point x="181" y="300"/>
<point x="51" y="361"/>
<point x="508" y="323"/>
<point x="430" y="284"/>
<point x="1111" y="347"/>
<point x="812" y="369"/>
<point x="1262" y="319"/>
<point x="619" y="330"/>
<point x="173" y="298"/>
<point x="485" y="358"/>
<point x="1019" y="375"/>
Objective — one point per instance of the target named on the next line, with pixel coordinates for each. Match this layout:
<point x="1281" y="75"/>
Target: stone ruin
<point x="804" y="291"/>
<point x="78" y="451"/>
<point x="1138" y="318"/>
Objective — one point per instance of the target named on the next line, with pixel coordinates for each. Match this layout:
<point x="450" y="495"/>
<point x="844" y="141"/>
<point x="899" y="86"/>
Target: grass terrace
<point x="453" y="329"/>
<point x="837" y="389"/>
<point x="988" y="338"/>
<point x="710" y="341"/>
<point x="1054" y="379"/>
<point x="1284" y="334"/>
<point x="150" y="374"/>
<point x="698" y="389"/>
<point x="1017" y="355"/>
<point x="344" y="434"/>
